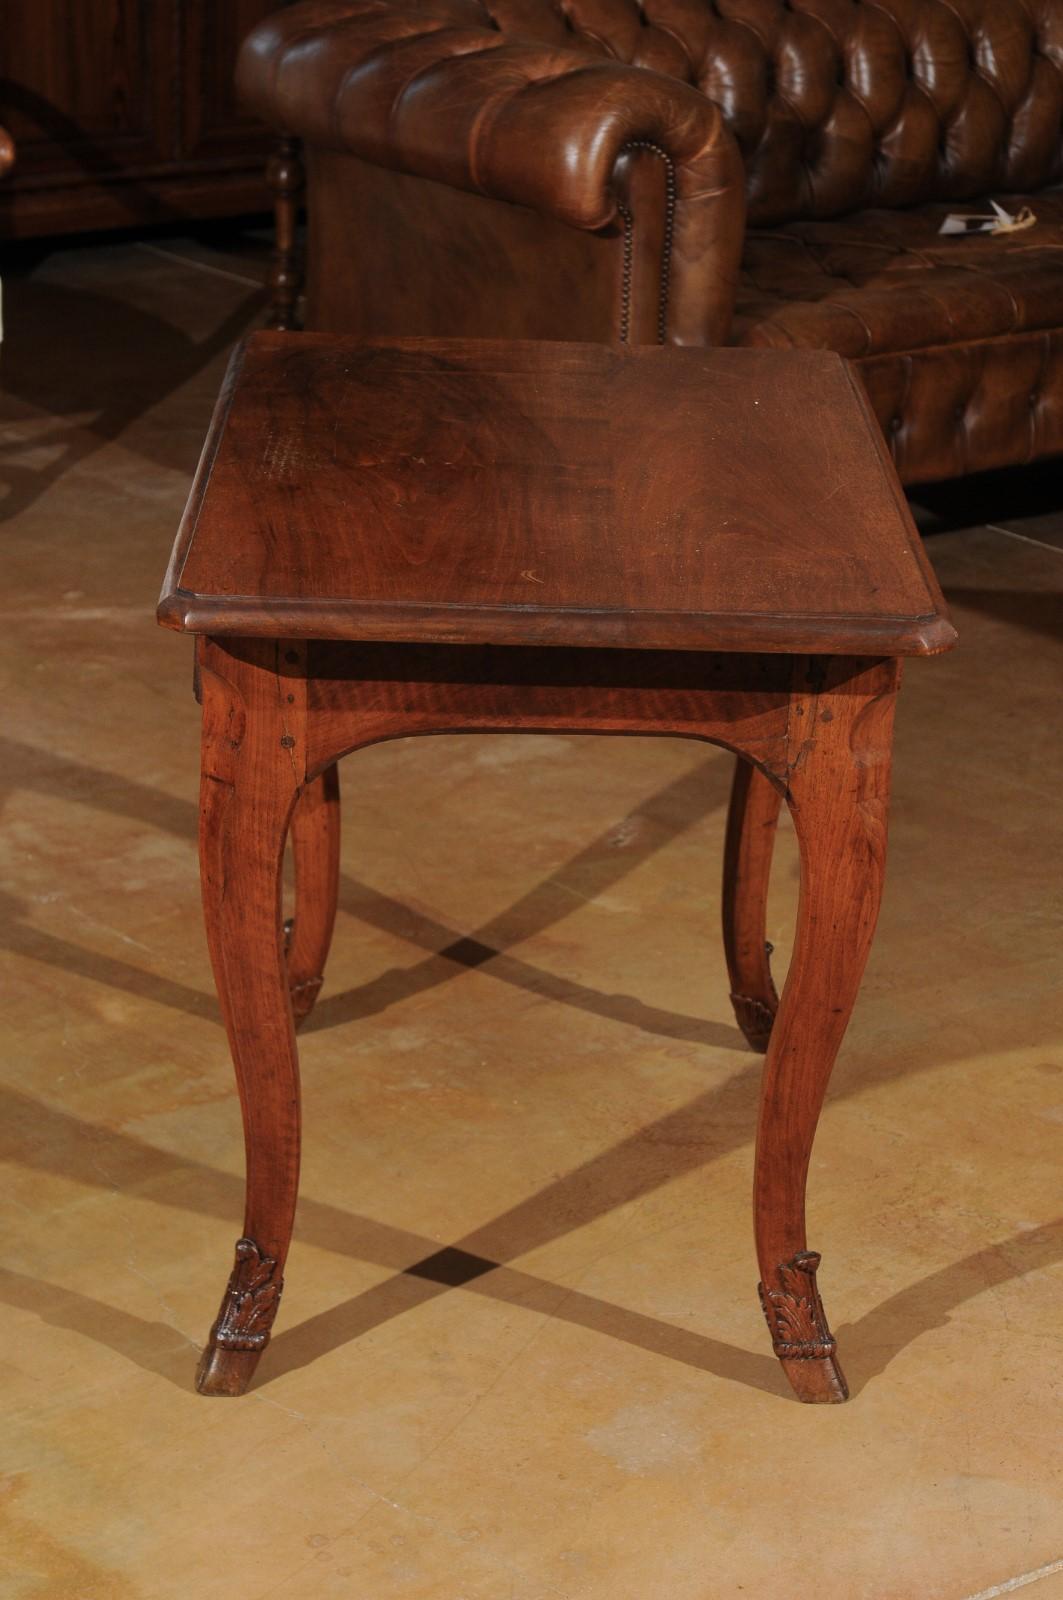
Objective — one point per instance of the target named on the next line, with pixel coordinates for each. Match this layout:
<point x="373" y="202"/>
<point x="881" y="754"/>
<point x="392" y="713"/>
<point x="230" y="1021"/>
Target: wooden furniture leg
<point x="253" y="741"/>
<point x="838" y="794"/>
<point x="751" y="821"/>
<point x="315" y="837"/>
<point x="285" y="176"/>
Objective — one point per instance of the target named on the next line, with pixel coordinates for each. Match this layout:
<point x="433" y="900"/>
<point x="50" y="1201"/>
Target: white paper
<point x="999" y="221"/>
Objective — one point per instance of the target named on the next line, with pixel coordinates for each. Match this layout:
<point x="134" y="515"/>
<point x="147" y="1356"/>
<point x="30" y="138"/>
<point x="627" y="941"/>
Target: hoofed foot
<point x="755" y="1020"/>
<point x="755" y="1014"/>
<point x="303" y="996"/>
<point x="224" y="1372"/>
<point x="242" y="1329"/>
<point x="801" y="1338"/>
<point x="304" y="991"/>
<point x="818" y="1381"/>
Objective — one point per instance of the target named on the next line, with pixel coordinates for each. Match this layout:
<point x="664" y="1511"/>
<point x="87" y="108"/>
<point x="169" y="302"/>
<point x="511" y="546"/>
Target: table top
<point x="505" y="492"/>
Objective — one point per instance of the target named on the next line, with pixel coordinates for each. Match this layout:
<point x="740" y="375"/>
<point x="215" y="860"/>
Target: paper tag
<point x="1000" y="221"/>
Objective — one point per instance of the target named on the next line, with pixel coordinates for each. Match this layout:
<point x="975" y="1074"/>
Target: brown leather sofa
<point x="759" y="172"/>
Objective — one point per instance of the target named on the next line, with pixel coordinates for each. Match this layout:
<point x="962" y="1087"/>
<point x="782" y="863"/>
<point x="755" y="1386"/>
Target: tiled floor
<point x="598" y="1417"/>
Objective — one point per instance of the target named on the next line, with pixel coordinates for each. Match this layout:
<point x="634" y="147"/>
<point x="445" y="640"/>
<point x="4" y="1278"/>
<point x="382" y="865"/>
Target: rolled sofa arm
<point x="427" y="88"/>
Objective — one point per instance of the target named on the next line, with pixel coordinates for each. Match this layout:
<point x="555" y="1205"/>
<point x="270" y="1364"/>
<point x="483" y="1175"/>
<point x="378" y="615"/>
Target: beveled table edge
<point x="251" y="616"/>
<point x="248" y="616"/>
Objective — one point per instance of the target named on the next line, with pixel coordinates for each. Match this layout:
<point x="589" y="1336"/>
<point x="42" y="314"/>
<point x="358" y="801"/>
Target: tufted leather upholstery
<point x="412" y="87"/>
<point x="887" y="280"/>
<point x="433" y="88"/>
<point x="842" y="104"/>
<point x="859" y="124"/>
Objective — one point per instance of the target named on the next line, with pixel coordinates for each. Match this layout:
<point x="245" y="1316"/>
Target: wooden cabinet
<point x="123" y="112"/>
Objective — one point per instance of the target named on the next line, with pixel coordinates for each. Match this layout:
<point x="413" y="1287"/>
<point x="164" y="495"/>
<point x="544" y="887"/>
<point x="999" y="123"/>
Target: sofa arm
<point x="421" y="89"/>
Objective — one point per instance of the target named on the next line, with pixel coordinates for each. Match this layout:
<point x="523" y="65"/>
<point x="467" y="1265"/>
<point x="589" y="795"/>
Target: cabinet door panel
<point x="89" y="84"/>
<point x="213" y="124"/>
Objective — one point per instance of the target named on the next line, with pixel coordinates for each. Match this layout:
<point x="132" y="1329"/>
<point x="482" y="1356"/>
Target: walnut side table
<point x="425" y="536"/>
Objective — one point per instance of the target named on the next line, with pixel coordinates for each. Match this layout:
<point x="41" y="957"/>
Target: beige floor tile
<point x="597" y="1416"/>
<point x="1049" y="1587"/>
<point x="1045" y="529"/>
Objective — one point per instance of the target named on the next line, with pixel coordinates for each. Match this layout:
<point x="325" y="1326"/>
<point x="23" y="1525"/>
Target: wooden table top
<point x="502" y="492"/>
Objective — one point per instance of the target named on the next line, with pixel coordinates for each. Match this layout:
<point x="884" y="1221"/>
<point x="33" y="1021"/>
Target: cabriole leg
<point x="315" y="836"/>
<point x="751" y="821"/>
<point x="248" y="788"/>
<point x="839" y="796"/>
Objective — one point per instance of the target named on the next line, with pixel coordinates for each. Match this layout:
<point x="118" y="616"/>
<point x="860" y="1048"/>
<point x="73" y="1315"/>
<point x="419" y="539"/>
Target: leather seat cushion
<point x="878" y="282"/>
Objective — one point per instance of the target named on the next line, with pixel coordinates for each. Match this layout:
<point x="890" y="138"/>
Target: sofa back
<point x="840" y="104"/>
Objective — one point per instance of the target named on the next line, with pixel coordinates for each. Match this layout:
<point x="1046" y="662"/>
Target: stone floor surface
<point x="598" y="1417"/>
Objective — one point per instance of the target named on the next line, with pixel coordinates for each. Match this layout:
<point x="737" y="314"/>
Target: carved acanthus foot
<point x="800" y="1335"/>
<point x="241" y="1331"/>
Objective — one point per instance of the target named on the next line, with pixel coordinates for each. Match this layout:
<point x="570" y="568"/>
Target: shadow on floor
<point x="595" y="869"/>
<point x="154" y="1346"/>
<point x="91" y="401"/>
<point x="870" y="1344"/>
<point x="689" y="1138"/>
<point x="1006" y="496"/>
<point x="685" y="1140"/>
<point x="1039" y="611"/>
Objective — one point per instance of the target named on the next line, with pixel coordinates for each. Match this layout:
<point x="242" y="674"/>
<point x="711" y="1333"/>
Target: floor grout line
<point x="199" y="266"/>
<point x="1009" y="533"/>
<point x="1011" y="1584"/>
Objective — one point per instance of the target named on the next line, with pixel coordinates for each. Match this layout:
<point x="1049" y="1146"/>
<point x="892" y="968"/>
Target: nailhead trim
<point x="628" y="248"/>
<point x="625" y="274"/>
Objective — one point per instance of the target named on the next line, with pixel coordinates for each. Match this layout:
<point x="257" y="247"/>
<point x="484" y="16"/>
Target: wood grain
<point x="125" y="113"/>
<point x="751" y="819"/>
<point x="358" y="695"/>
<point x="315" y="836"/>
<point x="249" y="786"/>
<point x="839" y="799"/>
<point x="286" y="179"/>
<point x="511" y="493"/>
